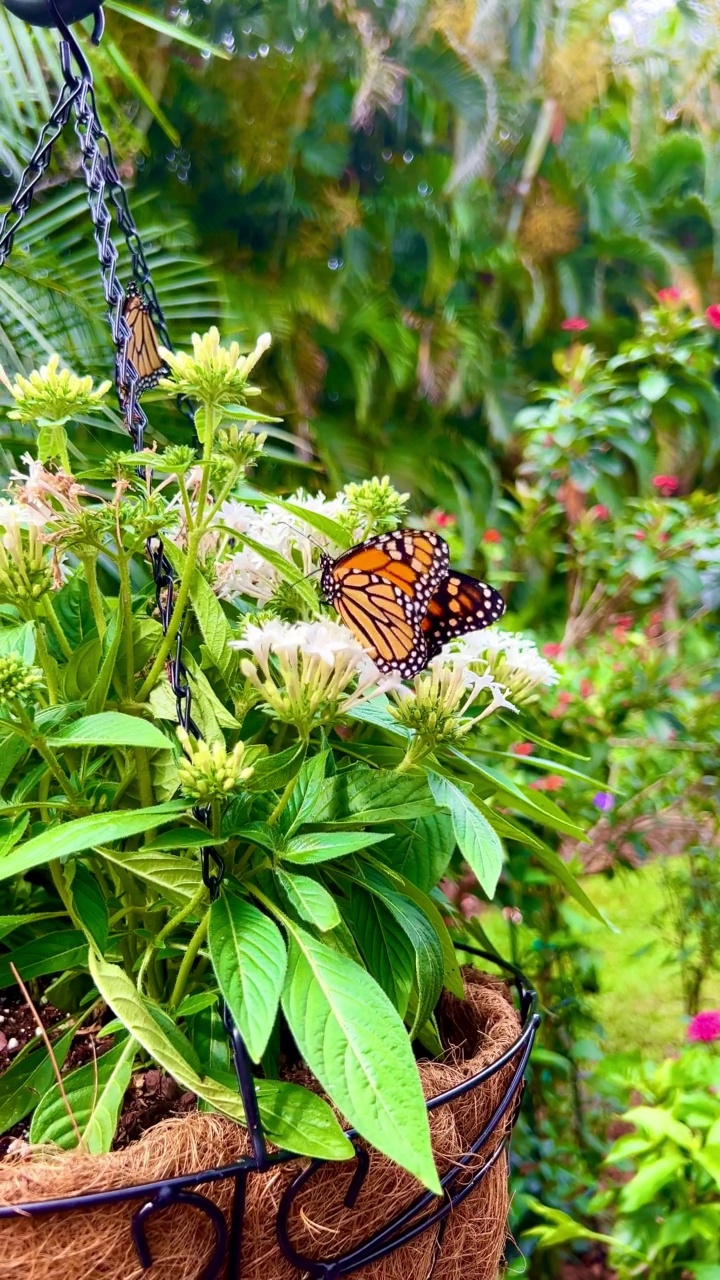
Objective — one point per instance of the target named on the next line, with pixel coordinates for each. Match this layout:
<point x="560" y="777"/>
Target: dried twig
<point x="48" y="1046"/>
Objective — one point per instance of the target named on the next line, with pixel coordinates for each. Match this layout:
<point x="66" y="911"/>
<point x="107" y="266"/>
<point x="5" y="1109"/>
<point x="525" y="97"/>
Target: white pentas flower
<point x="307" y="673"/>
<point x="244" y="570"/>
<point x="512" y="659"/>
<point x="436" y="705"/>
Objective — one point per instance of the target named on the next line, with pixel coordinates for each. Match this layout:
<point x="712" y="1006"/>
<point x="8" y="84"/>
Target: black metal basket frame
<point x="104" y="187"/>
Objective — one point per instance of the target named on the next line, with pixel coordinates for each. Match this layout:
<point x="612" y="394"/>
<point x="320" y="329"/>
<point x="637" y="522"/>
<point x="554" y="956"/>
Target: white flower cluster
<point x="308" y="672"/>
<point x="246" y="572"/>
<point x="510" y="659"/>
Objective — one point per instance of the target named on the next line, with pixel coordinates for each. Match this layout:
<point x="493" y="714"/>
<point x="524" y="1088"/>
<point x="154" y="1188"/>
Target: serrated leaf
<point x="320" y="846"/>
<point x="306" y="793"/>
<point x="108" y="729"/>
<point x="310" y="899"/>
<point x="421" y="849"/>
<point x="479" y="843"/>
<point x="214" y="626"/>
<point x="385" y="947"/>
<point x="354" y="1042"/>
<point x="95" y="1092"/>
<point x="642" y="1189"/>
<point x="88" y="902"/>
<point x="85" y="833"/>
<point x="292" y="1116"/>
<point x="175" y="877"/>
<point x="249" y="957"/>
<point x="50" y="953"/>
<point x="24" y="1082"/>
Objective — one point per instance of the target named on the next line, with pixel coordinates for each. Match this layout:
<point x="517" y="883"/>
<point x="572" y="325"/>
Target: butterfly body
<point x="142" y="345"/>
<point x="398" y="596"/>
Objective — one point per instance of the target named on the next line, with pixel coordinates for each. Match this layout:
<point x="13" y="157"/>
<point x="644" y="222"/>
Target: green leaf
<point x="307" y="792"/>
<point x="324" y="524"/>
<point x="85" y="833"/>
<point x="20" y="640"/>
<point x="109" y="729"/>
<point x="643" y="1188"/>
<point x="175" y="877"/>
<point x="8" y="924"/>
<point x="478" y="841"/>
<point x="384" y="945"/>
<point x="709" y="1160"/>
<point x="320" y="846"/>
<point x="271" y="773"/>
<point x="653" y="385"/>
<point x="249" y="957"/>
<point x="181" y="34"/>
<point x="25" y="1081"/>
<point x="50" y="953"/>
<point x="555" y="865"/>
<point x="364" y="796"/>
<point x="657" y="1123"/>
<point x="184" y="838"/>
<point x="428" y="954"/>
<point x="291" y="1116"/>
<point x="214" y="626"/>
<point x="421" y="849"/>
<point x="354" y="1042"/>
<point x="88" y="902"/>
<point x="310" y="899"/>
<point x="453" y="977"/>
<point x="95" y="1092"/>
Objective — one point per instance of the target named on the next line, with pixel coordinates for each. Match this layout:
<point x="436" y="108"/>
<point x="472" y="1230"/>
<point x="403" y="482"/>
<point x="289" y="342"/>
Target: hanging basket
<point x="189" y="1199"/>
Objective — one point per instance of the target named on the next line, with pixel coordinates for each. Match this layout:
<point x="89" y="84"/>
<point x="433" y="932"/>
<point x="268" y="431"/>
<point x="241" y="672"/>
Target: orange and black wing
<point x="381" y="590"/>
<point x="142" y="348"/>
<point x="459" y="604"/>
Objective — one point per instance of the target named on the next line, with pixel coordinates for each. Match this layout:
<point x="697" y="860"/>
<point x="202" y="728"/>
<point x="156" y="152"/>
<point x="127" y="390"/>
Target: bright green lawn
<point x="639" y="1004"/>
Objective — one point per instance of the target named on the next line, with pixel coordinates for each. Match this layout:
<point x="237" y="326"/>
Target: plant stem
<point x="173" y="923"/>
<point x="89" y="564"/>
<point x="56" y="629"/>
<point x="289" y="787"/>
<point x="59" y="881"/>
<point x="127" y="620"/>
<point x="46" y="662"/>
<point x="194" y="540"/>
<point x="188" y="960"/>
<point x="46" y="753"/>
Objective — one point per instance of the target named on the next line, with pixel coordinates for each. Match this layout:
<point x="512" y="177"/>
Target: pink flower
<point x="599" y="512"/>
<point x="522" y="748"/>
<point x="491" y="535"/>
<point x="575" y="324"/>
<point x="552" y="650"/>
<point x="667" y="297"/>
<point x="443" y="519"/>
<point x="705" y="1026"/>
<point x="586" y="687"/>
<point x="666" y="485"/>
<point x="712" y="315"/>
<point x="639" y="535"/>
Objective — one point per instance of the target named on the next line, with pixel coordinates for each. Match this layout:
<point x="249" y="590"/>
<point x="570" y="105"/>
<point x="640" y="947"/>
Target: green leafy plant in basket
<point x="335" y="796"/>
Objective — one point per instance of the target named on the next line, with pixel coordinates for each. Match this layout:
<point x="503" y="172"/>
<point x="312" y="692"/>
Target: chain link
<point x="104" y="187"/>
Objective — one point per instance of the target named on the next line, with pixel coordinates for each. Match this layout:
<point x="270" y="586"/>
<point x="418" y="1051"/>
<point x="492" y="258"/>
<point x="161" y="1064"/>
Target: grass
<point x="639" y="1004"/>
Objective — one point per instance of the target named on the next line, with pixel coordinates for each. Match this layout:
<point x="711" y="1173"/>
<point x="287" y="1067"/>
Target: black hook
<point x="40" y="13"/>
<point x="68" y="46"/>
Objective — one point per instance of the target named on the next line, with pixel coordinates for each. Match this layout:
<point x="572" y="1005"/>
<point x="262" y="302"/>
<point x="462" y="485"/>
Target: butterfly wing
<point x="142" y="347"/>
<point x="381" y="590"/>
<point x="459" y="604"/>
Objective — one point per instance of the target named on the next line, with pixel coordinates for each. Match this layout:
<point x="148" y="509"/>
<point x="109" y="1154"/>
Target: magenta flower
<point x="712" y="315"/>
<point x="669" y="296"/>
<point x="574" y="324"/>
<point x="604" y="801"/>
<point x="705" y="1026"/>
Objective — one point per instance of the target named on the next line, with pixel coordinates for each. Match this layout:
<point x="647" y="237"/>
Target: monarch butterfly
<point x="397" y="596"/>
<point x="142" y="345"/>
<point x="460" y="604"/>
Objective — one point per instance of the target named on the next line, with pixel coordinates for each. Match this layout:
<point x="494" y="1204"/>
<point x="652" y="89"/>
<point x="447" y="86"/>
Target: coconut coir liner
<point x="96" y="1244"/>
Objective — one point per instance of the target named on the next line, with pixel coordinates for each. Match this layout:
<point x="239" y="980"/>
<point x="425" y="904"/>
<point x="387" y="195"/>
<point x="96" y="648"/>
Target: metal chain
<point x="36" y="168"/>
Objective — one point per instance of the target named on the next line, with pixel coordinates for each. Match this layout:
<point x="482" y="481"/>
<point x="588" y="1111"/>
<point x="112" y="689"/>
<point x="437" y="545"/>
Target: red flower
<point x="639" y="535"/>
<point x="443" y="519"/>
<point x="522" y="748"/>
<point x="553" y="782"/>
<point x="599" y="512"/>
<point x="586" y="687"/>
<point x="575" y="324"/>
<point x="669" y="296"/>
<point x="552" y="650"/>
<point x="491" y="535"/>
<point x="712" y="315"/>
<point x="625" y="621"/>
<point x="666" y="485"/>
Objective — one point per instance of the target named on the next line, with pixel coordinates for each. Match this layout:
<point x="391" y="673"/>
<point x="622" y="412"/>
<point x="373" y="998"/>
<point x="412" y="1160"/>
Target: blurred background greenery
<point x="484" y="235"/>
